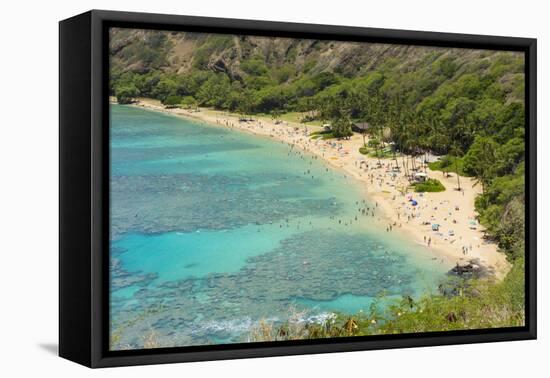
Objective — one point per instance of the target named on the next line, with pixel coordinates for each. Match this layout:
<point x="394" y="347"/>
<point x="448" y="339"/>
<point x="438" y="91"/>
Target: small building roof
<point x="361" y="125"/>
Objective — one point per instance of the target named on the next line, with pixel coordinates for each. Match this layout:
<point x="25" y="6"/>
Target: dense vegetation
<point x="465" y="105"/>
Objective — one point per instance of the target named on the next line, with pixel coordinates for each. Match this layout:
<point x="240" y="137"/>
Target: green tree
<point x="341" y="127"/>
<point x="456" y="151"/>
<point x="246" y="103"/>
<point x="189" y="102"/>
<point x="276" y="114"/>
<point x="480" y="160"/>
<point x="166" y="86"/>
<point x="172" y="101"/>
<point x="215" y="91"/>
<point x="126" y="94"/>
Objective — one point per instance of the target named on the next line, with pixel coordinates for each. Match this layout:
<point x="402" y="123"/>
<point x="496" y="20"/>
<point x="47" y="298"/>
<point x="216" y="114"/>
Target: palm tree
<point x="407" y="147"/>
<point x="276" y="114"/>
<point x="246" y="104"/>
<point x="360" y="102"/>
<point x="455" y="151"/>
<point x="484" y="152"/>
<point x="412" y="142"/>
<point x="424" y="142"/>
<point x="364" y="134"/>
<point x="376" y="143"/>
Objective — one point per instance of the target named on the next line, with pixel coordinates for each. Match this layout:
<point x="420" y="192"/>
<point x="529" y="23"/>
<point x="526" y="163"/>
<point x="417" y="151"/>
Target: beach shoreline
<point x="459" y="240"/>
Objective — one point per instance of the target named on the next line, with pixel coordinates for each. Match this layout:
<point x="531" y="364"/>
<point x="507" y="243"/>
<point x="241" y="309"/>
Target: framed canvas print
<point x="233" y="188"/>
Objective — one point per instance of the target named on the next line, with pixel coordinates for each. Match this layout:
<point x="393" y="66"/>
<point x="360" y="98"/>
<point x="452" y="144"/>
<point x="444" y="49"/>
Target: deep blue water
<point x="213" y="230"/>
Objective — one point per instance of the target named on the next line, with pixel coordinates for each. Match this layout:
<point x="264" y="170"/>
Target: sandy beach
<point x="459" y="238"/>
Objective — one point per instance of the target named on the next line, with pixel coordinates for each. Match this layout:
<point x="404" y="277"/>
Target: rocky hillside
<point x="285" y="60"/>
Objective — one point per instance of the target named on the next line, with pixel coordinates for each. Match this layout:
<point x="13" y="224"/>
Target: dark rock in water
<point x="472" y="269"/>
<point x="460" y="275"/>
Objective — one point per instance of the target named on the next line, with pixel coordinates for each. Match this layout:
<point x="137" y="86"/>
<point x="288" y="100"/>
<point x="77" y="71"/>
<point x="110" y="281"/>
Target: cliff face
<point x="142" y="50"/>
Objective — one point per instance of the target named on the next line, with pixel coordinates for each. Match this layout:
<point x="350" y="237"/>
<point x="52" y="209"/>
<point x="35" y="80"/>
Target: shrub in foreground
<point x="479" y="304"/>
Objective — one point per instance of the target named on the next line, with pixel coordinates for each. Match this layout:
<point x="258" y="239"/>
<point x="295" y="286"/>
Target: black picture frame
<point x="84" y="194"/>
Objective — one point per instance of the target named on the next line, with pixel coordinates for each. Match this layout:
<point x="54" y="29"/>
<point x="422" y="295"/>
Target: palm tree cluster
<point x="393" y="122"/>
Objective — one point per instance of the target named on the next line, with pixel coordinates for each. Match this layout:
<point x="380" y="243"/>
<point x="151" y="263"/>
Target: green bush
<point x="373" y="142"/>
<point x="126" y="94"/>
<point x="322" y="135"/>
<point x="364" y="150"/>
<point x="430" y="185"/>
<point x="189" y="102"/>
<point x="173" y="100"/>
<point x="255" y="66"/>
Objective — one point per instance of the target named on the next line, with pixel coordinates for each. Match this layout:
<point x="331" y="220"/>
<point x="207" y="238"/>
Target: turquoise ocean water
<point x="214" y="229"/>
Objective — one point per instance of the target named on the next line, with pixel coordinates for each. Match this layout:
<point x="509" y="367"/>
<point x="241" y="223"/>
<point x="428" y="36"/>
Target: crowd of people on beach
<point x="383" y="175"/>
<point x="384" y="180"/>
